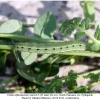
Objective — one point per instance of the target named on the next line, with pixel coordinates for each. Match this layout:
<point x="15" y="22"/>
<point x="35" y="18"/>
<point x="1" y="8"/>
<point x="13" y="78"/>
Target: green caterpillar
<point x="50" y="47"/>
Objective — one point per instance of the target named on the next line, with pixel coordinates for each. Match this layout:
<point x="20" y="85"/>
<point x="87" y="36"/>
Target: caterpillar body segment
<point x="51" y="47"/>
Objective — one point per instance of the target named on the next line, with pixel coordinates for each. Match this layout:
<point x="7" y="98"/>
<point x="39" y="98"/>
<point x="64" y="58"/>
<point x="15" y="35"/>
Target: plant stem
<point x="9" y="81"/>
<point x="6" y="47"/>
<point x="20" y="37"/>
<point x="88" y="34"/>
<point x="12" y="90"/>
<point x="88" y="86"/>
<point x="85" y="53"/>
<point x="84" y="74"/>
<point x="54" y="60"/>
<point x="28" y="25"/>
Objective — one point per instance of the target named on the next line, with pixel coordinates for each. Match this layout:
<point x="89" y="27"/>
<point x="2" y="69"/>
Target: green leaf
<point x="85" y="23"/>
<point x="97" y="24"/>
<point x="35" y="73"/>
<point x="58" y="86"/>
<point x="79" y="35"/>
<point x="54" y="86"/>
<point x="28" y="74"/>
<point x="54" y="69"/>
<point x="16" y="55"/>
<point x="77" y="20"/>
<point x="40" y="70"/>
<point x="97" y="33"/>
<point x="89" y="10"/>
<point x="94" y="46"/>
<point x="94" y="77"/>
<point x="64" y="25"/>
<point x="69" y="31"/>
<point x="2" y="62"/>
<point x="71" y="80"/>
<point x="69" y="26"/>
<point x="82" y="89"/>
<point x="2" y="59"/>
<point x="72" y="74"/>
<point x="45" y="26"/>
<point x="20" y="32"/>
<point x="71" y="83"/>
<point x="21" y="65"/>
<point x="28" y="58"/>
<point x="11" y="26"/>
<point x="44" y="56"/>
